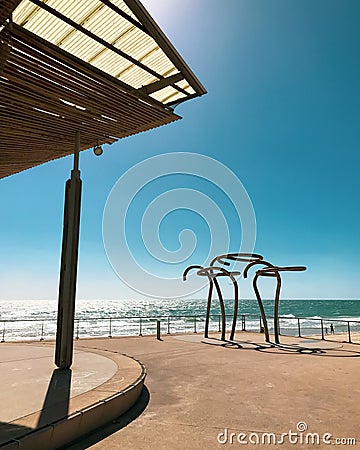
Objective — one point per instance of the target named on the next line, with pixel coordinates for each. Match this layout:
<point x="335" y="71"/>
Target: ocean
<point x="30" y="319"/>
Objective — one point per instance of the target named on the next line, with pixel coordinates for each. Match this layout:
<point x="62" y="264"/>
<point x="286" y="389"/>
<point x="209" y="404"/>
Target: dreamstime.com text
<point x="299" y="437"/>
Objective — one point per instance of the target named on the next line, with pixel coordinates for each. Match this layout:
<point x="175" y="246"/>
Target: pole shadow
<point x="56" y="403"/>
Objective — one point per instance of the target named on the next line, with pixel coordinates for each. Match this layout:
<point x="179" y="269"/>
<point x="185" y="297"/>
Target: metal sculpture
<point x="213" y="272"/>
<point x="272" y="271"/>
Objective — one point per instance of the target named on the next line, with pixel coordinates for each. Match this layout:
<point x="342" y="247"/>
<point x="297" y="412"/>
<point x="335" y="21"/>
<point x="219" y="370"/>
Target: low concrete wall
<point x="64" y="431"/>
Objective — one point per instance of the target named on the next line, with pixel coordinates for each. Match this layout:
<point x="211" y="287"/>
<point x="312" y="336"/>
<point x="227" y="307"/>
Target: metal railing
<point x="41" y="328"/>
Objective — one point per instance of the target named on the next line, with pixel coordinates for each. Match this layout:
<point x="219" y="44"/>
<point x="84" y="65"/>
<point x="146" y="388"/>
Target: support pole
<point x="69" y="261"/>
<point x="349" y="333"/>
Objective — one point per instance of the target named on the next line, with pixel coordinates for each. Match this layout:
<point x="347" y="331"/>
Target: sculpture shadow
<point x="291" y="349"/>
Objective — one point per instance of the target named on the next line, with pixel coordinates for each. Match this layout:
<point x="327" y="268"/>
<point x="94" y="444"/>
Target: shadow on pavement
<point x="294" y="349"/>
<point x="116" y="425"/>
<point x="55" y="406"/>
<point x="56" y="403"/>
<point x="9" y="431"/>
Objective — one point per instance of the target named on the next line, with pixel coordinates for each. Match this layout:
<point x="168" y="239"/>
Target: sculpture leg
<point x="261" y="307"/>
<point x="276" y="309"/>
<point x="222" y="308"/>
<point x="207" y="318"/>
<point x="236" y="307"/>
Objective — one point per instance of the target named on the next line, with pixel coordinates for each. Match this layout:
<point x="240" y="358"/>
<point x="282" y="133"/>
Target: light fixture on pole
<point x="98" y="151"/>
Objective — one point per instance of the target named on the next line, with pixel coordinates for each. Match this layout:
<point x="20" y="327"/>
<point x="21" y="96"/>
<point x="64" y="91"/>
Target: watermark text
<point x="299" y="437"/>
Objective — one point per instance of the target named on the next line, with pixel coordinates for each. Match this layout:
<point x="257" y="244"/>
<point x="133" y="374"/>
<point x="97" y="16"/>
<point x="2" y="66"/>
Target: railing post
<point x="195" y="331"/>
<point x="3" y="333"/>
<point x="158" y="330"/>
<point x="168" y="325"/>
<point x="299" y="328"/>
<point x="77" y="329"/>
<point x="322" y="330"/>
<point x="42" y="332"/>
<point x="243" y="322"/>
<point x="140" y="331"/>
<point x="348" y="324"/>
<point x="110" y="330"/>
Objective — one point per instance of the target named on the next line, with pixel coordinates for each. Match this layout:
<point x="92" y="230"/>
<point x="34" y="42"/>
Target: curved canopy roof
<point x="101" y="67"/>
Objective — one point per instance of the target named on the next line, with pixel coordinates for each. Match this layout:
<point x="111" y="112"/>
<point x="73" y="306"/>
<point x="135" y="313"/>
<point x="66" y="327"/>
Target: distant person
<point x="332" y="329"/>
<point x="326" y="330"/>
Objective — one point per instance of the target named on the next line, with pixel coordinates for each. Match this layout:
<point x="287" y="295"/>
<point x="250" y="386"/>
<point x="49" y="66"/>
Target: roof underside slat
<point x="46" y="98"/>
<point x="101" y="67"/>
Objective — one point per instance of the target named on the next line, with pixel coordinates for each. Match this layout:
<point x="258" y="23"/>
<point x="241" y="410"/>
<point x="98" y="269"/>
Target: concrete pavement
<point x="43" y="407"/>
<point x="204" y="389"/>
<point x="200" y="393"/>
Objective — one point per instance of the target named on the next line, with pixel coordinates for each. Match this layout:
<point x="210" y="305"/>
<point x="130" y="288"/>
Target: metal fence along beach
<point x="114" y="326"/>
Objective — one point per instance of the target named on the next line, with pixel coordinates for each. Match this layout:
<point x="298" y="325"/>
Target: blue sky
<point x="282" y="111"/>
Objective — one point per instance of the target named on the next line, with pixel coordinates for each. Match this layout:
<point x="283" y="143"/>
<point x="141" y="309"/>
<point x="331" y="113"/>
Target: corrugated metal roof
<point x="100" y="31"/>
<point x="100" y="67"/>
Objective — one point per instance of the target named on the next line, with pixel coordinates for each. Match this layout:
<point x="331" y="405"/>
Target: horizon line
<point x="173" y="298"/>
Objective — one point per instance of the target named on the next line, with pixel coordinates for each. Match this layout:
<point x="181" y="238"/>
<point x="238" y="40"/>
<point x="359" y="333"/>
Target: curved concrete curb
<point x="79" y="423"/>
